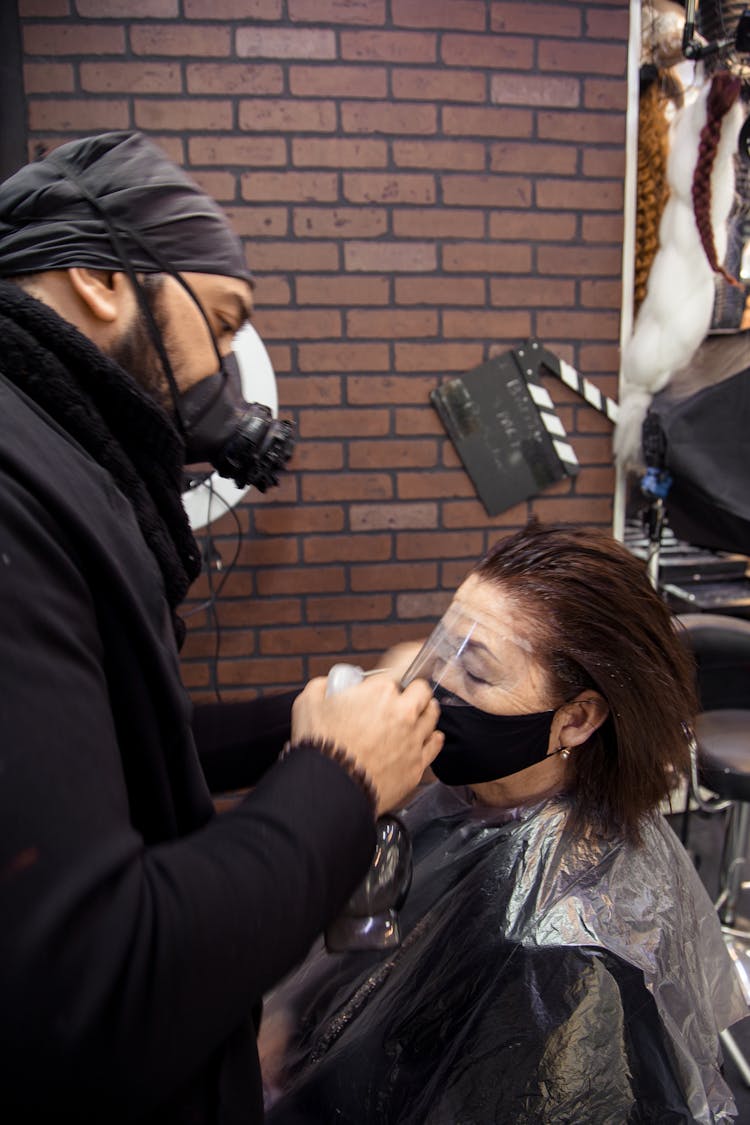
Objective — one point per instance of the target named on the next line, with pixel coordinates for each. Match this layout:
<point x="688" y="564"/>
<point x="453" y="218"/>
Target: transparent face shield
<point x="472" y="663"/>
<point x="472" y="660"/>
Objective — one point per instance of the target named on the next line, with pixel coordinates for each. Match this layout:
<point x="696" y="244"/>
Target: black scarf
<point x="102" y="407"/>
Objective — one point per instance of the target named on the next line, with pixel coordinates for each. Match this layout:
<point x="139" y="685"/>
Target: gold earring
<point x="564" y="752"/>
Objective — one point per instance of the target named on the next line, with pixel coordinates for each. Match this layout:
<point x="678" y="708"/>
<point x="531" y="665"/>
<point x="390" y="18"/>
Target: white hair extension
<point x="676" y="312"/>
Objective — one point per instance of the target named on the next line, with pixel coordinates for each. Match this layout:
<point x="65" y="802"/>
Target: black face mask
<point x="484" y="747"/>
<point x="242" y="440"/>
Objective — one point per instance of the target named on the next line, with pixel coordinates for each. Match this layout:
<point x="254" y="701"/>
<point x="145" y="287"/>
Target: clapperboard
<point x="504" y="425"/>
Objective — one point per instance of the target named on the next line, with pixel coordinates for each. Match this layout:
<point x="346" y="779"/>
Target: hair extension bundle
<point x="653" y="190"/>
<point x="675" y="314"/>
<point x="722" y="95"/>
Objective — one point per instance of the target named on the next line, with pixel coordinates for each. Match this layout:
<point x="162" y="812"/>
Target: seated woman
<point x="560" y="960"/>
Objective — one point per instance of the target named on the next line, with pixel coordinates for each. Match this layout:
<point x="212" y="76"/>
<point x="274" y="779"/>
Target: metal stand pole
<point x="735" y="857"/>
<point x="655" y="521"/>
<point x="655" y="484"/>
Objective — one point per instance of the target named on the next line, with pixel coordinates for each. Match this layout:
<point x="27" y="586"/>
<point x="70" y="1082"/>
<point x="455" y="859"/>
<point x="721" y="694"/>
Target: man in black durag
<point x="139" y="929"/>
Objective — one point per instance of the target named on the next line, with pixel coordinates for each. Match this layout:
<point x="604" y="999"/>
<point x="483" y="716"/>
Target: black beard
<point x="135" y="351"/>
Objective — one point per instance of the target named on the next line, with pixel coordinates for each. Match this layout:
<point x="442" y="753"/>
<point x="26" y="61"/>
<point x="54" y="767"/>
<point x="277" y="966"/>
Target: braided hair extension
<point x="723" y="93"/>
<point x="653" y="189"/>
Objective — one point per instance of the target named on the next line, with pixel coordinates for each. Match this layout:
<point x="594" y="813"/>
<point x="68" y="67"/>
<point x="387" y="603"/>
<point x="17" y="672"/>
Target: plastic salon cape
<point x="539" y="980"/>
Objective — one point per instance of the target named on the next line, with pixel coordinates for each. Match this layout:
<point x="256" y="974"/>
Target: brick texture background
<point x="420" y="184"/>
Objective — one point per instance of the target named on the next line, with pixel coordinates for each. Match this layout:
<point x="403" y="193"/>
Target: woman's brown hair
<point x="597" y="623"/>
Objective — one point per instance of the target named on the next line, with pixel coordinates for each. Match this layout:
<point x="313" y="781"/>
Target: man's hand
<point x="389" y="734"/>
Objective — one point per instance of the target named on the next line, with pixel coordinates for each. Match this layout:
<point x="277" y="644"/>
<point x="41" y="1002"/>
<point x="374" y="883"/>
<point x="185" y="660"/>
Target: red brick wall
<point x="420" y="183"/>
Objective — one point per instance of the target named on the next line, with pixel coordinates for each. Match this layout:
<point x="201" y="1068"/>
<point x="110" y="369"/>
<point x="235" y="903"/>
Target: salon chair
<point x="720" y="762"/>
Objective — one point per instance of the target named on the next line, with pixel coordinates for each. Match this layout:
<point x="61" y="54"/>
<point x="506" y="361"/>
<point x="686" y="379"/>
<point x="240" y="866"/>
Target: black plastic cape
<point x="50" y="213"/>
<point x="540" y="980"/>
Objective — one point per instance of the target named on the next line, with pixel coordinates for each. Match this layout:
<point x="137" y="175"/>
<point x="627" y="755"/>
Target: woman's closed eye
<point x="475" y="679"/>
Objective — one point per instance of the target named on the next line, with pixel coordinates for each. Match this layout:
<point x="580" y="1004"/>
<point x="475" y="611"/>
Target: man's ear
<point x="576" y="721"/>
<point x="106" y="295"/>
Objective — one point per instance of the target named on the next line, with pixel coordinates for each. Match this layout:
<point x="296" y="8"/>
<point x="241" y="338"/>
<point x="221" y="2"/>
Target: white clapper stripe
<point x="586" y="389"/>
<point x="546" y="410"/>
<point x="535" y="352"/>
<point x="554" y="427"/>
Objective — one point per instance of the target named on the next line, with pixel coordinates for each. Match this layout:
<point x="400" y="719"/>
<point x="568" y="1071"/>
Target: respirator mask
<point x="241" y="440"/>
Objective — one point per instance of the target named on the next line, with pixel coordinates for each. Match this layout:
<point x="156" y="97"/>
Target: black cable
<point x="226" y="571"/>
<point x="212" y="612"/>
<point x="209" y="552"/>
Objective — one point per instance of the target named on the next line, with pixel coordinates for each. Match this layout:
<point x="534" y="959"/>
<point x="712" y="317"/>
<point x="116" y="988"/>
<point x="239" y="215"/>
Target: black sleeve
<point x="123" y="967"/>
<point x="238" y="741"/>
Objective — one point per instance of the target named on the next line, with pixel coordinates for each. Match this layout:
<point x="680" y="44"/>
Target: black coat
<point x="138" y="930"/>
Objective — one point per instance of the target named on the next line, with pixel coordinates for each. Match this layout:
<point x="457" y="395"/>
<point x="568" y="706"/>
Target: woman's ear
<point x="577" y="720"/>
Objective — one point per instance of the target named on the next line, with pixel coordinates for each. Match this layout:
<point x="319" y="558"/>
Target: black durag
<point x="51" y="213"/>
